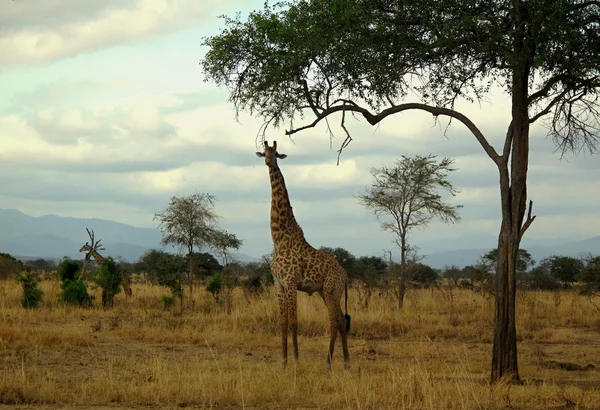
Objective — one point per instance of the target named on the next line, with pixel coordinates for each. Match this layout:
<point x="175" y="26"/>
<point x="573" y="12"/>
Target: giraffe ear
<point x="260" y="154"/>
<point x="281" y="156"/>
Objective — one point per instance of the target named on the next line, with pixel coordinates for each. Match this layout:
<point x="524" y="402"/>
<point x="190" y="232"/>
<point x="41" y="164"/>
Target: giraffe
<point x="125" y="282"/>
<point x="296" y="265"/>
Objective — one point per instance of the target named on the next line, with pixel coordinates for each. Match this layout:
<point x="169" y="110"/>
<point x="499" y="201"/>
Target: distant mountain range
<point x="538" y="250"/>
<point x="53" y="237"/>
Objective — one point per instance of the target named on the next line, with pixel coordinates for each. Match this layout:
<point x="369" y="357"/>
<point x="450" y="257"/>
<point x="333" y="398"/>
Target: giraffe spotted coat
<point x="297" y="265"/>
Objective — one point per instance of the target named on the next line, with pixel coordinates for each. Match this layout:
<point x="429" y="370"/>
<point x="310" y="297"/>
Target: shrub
<point x="74" y="292"/>
<point x="32" y="294"/>
<point x="590" y="275"/>
<point x="542" y="279"/>
<point x="168" y="301"/>
<point x="109" y="278"/>
<point x="9" y="265"/>
<point x="215" y="286"/>
<point x="68" y="269"/>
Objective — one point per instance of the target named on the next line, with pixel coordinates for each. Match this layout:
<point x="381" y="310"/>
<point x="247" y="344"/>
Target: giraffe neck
<point x="283" y="222"/>
<point x="98" y="258"/>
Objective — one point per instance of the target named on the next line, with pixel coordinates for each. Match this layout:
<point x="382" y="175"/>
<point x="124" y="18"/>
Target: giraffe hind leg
<point x="337" y="323"/>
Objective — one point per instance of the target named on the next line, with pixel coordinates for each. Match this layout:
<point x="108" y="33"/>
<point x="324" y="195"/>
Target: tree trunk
<point x="191" y="274"/>
<point x="402" y="288"/>
<point x="513" y="193"/>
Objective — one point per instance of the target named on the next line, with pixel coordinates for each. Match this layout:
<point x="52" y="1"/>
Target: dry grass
<point x="435" y="354"/>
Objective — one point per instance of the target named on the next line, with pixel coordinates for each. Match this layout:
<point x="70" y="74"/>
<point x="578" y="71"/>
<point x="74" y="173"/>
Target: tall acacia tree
<point x="367" y="57"/>
<point x="405" y="197"/>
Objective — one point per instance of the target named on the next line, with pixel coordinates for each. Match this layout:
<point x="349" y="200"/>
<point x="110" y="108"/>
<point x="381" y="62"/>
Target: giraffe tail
<point x="346" y="316"/>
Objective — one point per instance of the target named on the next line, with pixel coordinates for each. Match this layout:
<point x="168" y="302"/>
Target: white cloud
<point x="44" y="36"/>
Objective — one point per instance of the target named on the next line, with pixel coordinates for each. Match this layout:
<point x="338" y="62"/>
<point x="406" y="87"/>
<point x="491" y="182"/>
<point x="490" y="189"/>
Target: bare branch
<point x="528" y="221"/>
<point x="347" y="140"/>
<point x="543" y="92"/>
<point x="548" y="107"/>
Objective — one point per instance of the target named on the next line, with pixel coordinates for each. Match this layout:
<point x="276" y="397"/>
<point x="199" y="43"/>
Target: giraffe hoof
<point x="347" y="365"/>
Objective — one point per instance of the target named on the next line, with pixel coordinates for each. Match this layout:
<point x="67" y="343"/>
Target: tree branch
<point x="307" y="95"/>
<point x="543" y="92"/>
<point x="528" y="221"/>
<point x="348" y="137"/>
<point x="375" y="119"/>
<point x="548" y="107"/>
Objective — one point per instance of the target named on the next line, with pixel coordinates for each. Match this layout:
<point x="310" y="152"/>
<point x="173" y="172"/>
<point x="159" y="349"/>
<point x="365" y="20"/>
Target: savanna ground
<point x="434" y="354"/>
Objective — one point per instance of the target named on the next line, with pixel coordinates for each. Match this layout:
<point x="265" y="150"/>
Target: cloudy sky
<point x="104" y="113"/>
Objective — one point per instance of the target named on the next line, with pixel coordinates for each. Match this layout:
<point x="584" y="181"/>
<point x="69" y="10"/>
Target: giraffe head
<point x="85" y="248"/>
<point x="270" y="154"/>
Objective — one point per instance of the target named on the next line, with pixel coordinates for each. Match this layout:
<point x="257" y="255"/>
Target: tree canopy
<point x="363" y="56"/>
<point x="524" y="259"/>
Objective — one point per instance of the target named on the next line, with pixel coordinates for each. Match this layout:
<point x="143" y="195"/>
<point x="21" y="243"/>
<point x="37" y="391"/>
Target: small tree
<point x="216" y="285"/>
<point x="424" y="274"/>
<point x="167" y="270"/>
<point x="9" y="265"/>
<point x="453" y="273"/>
<point x="68" y="269"/>
<point x="206" y="264"/>
<point x="367" y="275"/>
<point x="345" y="258"/>
<point x="109" y="278"/>
<point x="590" y="275"/>
<point x="406" y="196"/>
<point x="73" y="289"/>
<point x="39" y="265"/>
<point x="190" y="222"/>
<point x="258" y="277"/>
<point x="524" y="260"/>
<point x="223" y="243"/>
<point x="540" y="278"/>
<point x="564" y="268"/>
<point x="32" y="294"/>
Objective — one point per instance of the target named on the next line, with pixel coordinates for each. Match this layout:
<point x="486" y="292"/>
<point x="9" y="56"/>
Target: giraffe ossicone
<point x="296" y="265"/>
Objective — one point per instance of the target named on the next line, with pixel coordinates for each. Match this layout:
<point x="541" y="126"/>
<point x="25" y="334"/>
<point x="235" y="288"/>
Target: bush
<point x="68" y="269"/>
<point x="32" y="294"/>
<point x="74" y="292"/>
<point x="541" y="279"/>
<point x="590" y="275"/>
<point x="564" y="268"/>
<point x="423" y="273"/>
<point x="215" y="286"/>
<point x="109" y="278"/>
<point x="9" y="266"/>
<point x="168" y="301"/>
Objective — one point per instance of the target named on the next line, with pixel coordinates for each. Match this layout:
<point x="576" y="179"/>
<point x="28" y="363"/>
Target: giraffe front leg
<point x="283" y="322"/>
<point x="292" y="305"/>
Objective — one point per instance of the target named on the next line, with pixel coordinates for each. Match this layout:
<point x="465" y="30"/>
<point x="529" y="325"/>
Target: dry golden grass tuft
<point x="435" y="354"/>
